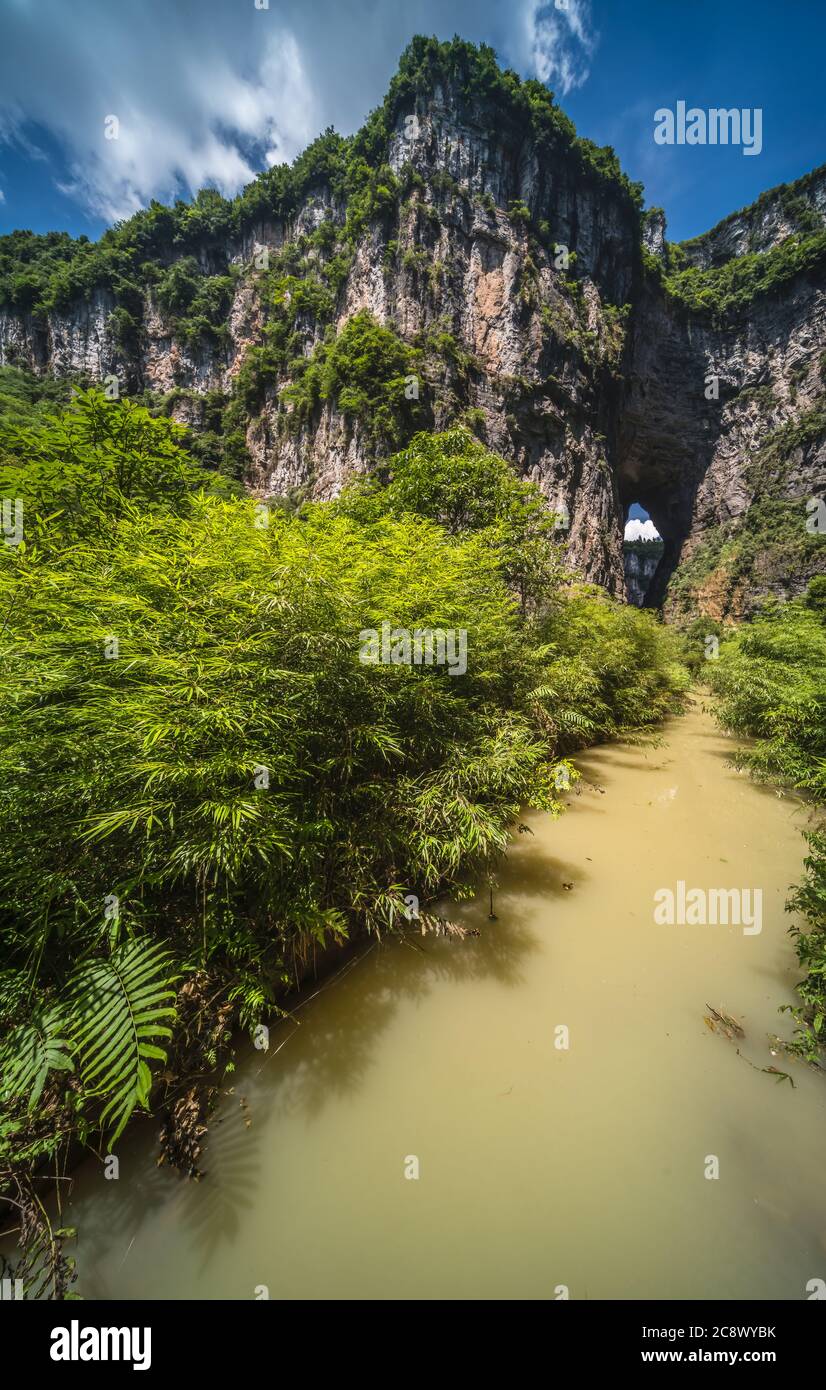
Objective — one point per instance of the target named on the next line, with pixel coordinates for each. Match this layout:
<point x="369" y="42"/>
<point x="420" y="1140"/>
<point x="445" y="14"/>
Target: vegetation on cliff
<point x="179" y="253"/>
<point x="771" y="548"/>
<point x="368" y="373"/>
<point x="795" y="201"/>
<point x="706" y="277"/>
<point x="723" y="292"/>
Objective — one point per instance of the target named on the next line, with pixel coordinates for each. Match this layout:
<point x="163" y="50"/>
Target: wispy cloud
<point x="208" y="92"/>
<point x="561" y="41"/>
<point x="199" y="97"/>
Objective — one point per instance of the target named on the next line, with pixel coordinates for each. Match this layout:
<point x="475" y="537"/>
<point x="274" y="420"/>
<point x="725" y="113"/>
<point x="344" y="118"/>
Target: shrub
<point x="771" y="680"/>
<point x="78" y="472"/>
<point x="364" y="371"/>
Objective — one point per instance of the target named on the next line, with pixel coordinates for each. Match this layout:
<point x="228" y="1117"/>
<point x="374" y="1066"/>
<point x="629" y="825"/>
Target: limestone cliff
<point x="467" y="257"/>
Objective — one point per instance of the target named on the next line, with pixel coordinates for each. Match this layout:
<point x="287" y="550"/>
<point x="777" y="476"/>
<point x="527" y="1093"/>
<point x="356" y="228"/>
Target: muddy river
<point x="538" y="1111"/>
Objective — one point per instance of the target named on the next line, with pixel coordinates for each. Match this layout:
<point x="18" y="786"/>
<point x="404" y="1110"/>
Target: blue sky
<point x="210" y="91"/>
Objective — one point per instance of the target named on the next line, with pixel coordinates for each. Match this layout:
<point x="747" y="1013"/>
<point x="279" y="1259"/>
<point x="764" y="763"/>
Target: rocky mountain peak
<point x="467" y="258"/>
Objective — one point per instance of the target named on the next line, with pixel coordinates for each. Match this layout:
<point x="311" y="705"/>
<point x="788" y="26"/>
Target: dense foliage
<point x="646" y="549"/>
<point x="195" y="304"/>
<point x="729" y="289"/>
<point x="203" y="783"/>
<point x="769" y="549"/>
<point x="457" y="482"/>
<point x="709" y="279"/>
<point x="78" y="472"/>
<point x="368" y="373"/>
<point x="24" y="396"/>
<point x="771" y="680"/>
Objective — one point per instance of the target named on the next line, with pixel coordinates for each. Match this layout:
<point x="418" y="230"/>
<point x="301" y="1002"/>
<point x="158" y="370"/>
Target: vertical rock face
<point x="641" y="560"/>
<point x="719" y="421"/>
<point x="771" y="220"/>
<point x="74" y="342"/>
<point x="507" y="268"/>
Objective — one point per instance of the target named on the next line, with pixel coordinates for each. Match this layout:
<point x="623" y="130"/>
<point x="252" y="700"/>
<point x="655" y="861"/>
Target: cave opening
<point x="649" y="493"/>
<point x="663" y="454"/>
<point x="643" y="550"/>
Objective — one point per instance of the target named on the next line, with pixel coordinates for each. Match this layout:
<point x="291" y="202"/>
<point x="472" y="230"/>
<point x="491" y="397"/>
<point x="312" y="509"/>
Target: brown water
<point x="539" y="1167"/>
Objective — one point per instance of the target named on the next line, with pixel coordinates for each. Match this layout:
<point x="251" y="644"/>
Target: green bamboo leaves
<point x="229" y="771"/>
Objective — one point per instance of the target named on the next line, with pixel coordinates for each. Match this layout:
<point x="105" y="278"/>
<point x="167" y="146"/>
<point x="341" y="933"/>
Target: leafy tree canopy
<point x="453" y="479"/>
<point x="78" y="471"/>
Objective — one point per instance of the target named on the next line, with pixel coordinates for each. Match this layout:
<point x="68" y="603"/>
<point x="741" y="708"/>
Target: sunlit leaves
<point x="772" y="679"/>
<point x="136" y="776"/>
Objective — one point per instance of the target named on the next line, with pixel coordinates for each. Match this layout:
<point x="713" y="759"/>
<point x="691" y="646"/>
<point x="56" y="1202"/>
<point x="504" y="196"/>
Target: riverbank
<point x="539" y="1166"/>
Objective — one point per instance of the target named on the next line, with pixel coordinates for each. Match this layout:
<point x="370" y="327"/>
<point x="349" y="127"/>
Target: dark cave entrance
<point x="643" y="551"/>
<point x="663" y="450"/>
<point x="650" y="491"/>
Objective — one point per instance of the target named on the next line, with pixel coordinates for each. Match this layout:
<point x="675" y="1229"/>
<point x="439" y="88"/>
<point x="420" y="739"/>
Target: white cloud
<point x="208" y="92"/>
<point x="561" y="42"/>
<point x="641" y="531"/>
<point x="202" y="96"/>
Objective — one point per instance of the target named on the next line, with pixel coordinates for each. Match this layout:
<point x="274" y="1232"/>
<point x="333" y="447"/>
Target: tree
<point x="454" y="480"/>
<point x="79" y="471"/>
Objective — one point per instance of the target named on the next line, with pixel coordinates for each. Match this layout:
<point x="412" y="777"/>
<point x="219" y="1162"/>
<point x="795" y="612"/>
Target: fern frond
<point x="118" y="1005"/>
<point x="572" y="719"/>
<point x="33" y="1050"/>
